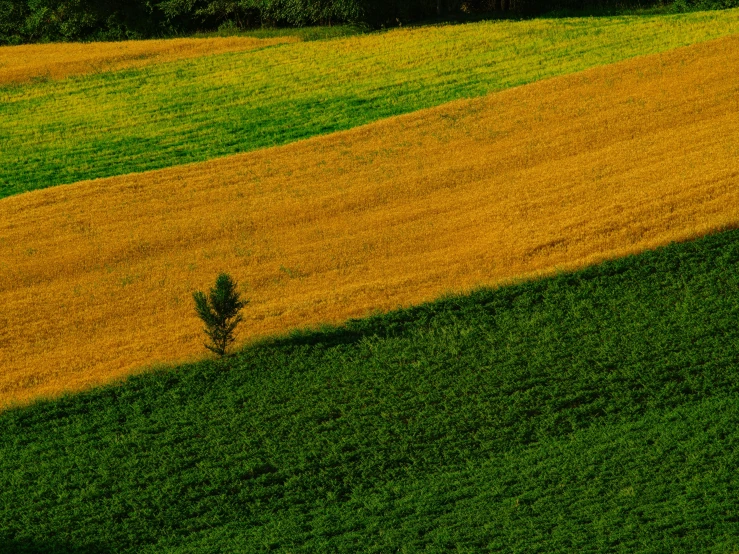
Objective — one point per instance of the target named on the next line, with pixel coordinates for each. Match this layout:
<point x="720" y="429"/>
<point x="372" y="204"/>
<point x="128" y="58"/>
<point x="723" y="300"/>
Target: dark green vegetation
<point x="162" y="115"/>
<point x="60" y="20"/>
<point x="594" y="411"/>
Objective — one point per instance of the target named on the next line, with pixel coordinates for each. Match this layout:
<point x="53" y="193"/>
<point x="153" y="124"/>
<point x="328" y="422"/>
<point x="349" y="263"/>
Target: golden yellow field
<point x="56" y="61"/>
<point x="96" y="277"/>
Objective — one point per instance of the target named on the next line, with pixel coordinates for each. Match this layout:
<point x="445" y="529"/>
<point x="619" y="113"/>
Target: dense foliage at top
<point x="61" y="20"/>
<point x="593" y="411"/>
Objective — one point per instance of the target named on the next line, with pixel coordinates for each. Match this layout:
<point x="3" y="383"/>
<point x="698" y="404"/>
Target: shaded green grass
<point x="593" y="411"/>
<point x="188" y="111"/>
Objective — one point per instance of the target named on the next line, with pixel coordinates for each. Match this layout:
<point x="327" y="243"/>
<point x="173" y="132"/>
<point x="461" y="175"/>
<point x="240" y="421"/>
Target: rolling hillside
<point x="558" y="174"/>
<point x="196" y="109"/>
<point x="594" y="411"/>
<point x="42" y="62"/>
<point x="493" y="272"/>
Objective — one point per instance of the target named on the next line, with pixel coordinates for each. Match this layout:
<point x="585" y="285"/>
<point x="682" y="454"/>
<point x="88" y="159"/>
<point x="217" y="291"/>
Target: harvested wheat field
<point x="96" y="278"/>
<point x="24" y="63"/>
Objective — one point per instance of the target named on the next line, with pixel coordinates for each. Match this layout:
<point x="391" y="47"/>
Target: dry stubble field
<point x="96" y="277"/>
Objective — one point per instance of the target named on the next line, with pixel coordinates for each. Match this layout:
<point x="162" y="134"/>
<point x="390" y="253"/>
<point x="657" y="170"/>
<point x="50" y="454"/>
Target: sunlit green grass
<point x="596" y="411"/>
<point x="113" y="123"/>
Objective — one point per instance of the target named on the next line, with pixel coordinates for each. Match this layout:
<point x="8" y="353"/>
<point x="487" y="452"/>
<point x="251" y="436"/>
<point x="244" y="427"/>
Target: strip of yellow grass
<point x="96" y="277"/>
<point x="59" y="60"/>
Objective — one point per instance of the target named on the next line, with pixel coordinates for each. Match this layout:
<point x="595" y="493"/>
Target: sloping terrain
<point x="96" y="278"/>
<point x="19" y="64"/>
<point x="595" y="411"/>
<point x="169" y="114"/>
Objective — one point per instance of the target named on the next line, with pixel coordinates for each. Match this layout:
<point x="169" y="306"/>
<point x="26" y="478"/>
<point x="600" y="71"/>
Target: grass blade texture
<point x="557" y="174"/>
<point x="194" y="110"/>
<point x="595" y="411"/>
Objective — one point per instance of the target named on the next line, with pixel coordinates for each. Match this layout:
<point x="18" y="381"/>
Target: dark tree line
<point x="58" y="20"/>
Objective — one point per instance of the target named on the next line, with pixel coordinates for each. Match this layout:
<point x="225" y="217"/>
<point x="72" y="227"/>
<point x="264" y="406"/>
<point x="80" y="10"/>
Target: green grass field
<point x="593" y="411"/>
<point x="113" y="123"/>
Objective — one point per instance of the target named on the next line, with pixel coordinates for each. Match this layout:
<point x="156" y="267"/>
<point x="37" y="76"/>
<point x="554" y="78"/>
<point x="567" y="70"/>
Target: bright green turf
<point x="595" y="411"/>
<point x="113" y="123"/>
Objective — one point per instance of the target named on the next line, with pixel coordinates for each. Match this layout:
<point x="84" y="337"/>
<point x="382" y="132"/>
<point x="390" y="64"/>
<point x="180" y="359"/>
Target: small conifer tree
<point x="220" y="313"/>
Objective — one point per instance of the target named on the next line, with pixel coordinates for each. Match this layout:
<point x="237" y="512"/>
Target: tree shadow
<point x="324" y="335"/>
<point x="391" y="324"/>
<point x="384" y="325"/>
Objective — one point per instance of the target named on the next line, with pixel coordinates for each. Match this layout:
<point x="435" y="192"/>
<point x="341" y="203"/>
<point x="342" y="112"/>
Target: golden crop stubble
<point x="19" y="64"/>
<point x="96" y="277"/>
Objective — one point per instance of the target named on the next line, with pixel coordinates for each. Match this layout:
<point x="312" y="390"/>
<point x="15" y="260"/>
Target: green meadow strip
<point x="591" y="411"/>
<point x="174" y="113"/>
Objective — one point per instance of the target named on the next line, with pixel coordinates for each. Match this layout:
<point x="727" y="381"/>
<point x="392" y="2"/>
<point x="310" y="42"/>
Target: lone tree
<point x="220" y="313"/>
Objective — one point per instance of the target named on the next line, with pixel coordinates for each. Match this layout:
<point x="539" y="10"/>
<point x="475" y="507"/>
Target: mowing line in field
<point x="96" y="278"/>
